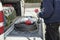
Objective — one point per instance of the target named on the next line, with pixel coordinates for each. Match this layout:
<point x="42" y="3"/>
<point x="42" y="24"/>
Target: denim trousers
<point x="52" y="31"/>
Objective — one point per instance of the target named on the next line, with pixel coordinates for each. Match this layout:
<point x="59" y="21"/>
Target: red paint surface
<point x="1" y="20"/>
<point x="1" y="30"/>
<point x="1" y="16"/>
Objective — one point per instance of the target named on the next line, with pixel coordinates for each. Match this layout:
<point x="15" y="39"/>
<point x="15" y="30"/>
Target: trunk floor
<point x="24" y="34"/>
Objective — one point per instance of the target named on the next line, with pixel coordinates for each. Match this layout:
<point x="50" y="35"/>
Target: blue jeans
<point x="52" y="31"/>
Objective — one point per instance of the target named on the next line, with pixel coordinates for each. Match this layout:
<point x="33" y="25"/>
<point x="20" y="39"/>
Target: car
<point x="29" y="10"/>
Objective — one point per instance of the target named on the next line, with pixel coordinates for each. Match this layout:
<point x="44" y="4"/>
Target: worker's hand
<point x="38" y="14"/>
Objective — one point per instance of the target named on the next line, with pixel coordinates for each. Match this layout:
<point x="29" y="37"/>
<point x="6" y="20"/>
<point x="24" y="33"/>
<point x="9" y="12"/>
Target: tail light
<point x="1" y="23"/>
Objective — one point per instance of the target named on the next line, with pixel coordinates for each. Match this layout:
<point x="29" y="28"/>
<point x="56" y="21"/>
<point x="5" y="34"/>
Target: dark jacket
<point x="51" y="11"/>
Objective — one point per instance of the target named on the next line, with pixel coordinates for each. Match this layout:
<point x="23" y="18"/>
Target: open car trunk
<point x="28" y="9"/>
<point x="12" y="34"/>
<point x="15" y="33"/>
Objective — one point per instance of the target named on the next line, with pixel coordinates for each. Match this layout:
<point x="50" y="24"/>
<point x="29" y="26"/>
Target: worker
<point x="51" y="15"/>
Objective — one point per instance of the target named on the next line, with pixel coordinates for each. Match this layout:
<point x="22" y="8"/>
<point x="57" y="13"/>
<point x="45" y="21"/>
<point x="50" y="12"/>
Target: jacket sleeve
<point x="47" y="10"/>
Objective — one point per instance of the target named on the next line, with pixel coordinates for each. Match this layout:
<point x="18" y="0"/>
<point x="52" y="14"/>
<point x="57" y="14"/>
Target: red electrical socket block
<point x="28" y="22"/>
<point x="36" y="10"/>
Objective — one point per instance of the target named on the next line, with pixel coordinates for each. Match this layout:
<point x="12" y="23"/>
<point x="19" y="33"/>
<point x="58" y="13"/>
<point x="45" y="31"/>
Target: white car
<point x="26" y="10"/>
